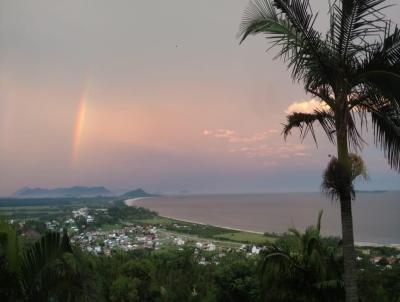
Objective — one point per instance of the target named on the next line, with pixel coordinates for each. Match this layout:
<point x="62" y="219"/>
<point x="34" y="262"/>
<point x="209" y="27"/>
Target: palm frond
<point x="386" y="123"/>
<point x="304" y="263"/>
<point x="261" y="17"/>
<point x="289" y="26"/>
<point x="318" y="225"/>
<point x="301" y="17"/>
<point x="355" y="140"/>
<point x="385" y="116"/>
<point x="379" y="72"/>
<point x="37" y="258"/>
<point x="352" y="22"/>
<point x="295" y="232"/>
<point x="305" y="123"/>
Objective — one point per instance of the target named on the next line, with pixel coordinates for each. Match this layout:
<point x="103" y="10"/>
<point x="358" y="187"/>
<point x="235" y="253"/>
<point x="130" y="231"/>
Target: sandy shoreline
<point x="132" y="202"/>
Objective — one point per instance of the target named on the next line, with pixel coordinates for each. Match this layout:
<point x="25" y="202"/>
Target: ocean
<point x="376" y="214"/>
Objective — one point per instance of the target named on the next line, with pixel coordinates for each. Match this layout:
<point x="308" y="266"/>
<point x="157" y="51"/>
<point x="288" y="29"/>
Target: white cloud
<point x="306" y="106"/>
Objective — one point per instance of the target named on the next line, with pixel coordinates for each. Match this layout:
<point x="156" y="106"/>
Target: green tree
<point x="377" y="284"/>
<point x="143" y="271"/>
<point x="354" y="70"/>
<point x="236" y="279"/>
<point x="302" y="267"/>
<point x="125" y="289"/>
<point x="182" y="278"/>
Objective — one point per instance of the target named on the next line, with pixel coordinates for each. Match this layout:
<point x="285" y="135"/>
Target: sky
<point x="153" y="94"/>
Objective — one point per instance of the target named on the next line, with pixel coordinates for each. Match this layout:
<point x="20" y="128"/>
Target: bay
<point x="376" y="214"/>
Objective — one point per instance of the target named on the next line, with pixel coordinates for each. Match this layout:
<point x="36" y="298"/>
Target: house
<point x="376" y="260"/>
<point x="80" y="212"/>
<point x="243" y="247"/>
<point x="255" y="250"/>
<point x="203" y="261"/>
<point x="179" y="241"/>
<point x="141" y="239"/>
<point x="211" y="247"/>
<point x="391" y="260"/>
<point x="366" y="252"/>
<point x="149" y="244"/>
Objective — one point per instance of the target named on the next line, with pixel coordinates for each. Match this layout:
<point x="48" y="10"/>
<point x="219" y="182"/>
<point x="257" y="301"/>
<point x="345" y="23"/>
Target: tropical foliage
<point x="354" y="70"/>
<point x="302" y="267"/>
<point x="46" y="270"/>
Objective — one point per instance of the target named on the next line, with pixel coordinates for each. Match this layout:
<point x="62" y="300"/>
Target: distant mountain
<point x="62" y="192"/>
<point x="137" y="193"/>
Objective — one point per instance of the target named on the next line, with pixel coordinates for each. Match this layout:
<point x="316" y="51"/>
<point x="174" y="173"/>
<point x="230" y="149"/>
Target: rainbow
<point x="78" y="128"/>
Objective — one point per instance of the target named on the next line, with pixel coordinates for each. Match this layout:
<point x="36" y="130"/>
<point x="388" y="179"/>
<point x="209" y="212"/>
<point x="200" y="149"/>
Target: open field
<point x="197" y="231"/>
<point x="246" y="237"/>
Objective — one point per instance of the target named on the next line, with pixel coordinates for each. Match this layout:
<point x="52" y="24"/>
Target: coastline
<point x="132" y="202"/>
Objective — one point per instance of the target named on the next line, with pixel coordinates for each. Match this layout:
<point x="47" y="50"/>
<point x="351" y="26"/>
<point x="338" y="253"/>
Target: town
<point x="135" y="236"/>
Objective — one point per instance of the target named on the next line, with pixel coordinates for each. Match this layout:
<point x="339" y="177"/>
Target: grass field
<point x="245" y="237"/>
<point x="156" y="220"/>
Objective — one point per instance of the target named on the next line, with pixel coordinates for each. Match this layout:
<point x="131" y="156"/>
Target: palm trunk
<point x="350" y="271"/>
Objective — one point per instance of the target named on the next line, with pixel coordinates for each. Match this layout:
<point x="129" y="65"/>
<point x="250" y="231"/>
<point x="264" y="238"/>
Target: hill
<point x="137" y="193"/>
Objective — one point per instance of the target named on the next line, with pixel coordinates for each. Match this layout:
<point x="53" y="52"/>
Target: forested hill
<point x="137" y="193"/>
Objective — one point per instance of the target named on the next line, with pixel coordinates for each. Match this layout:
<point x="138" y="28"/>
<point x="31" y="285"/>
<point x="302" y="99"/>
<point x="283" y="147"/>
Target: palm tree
<point x="40" y="272"/>
<point x="302" y="267"/>
<point x="354" y="70"/>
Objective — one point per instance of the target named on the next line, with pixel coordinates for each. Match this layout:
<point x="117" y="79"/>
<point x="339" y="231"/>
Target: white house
<point x="179" y="241"/>
<point x="211" y="247"/>
<point x="255" y="250"/>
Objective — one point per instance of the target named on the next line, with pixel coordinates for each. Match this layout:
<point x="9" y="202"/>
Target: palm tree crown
<point x="354" y="68"/>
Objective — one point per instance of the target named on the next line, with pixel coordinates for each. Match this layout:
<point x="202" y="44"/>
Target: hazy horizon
<point x="120" y="191"/>
<point x="92" y="93"/>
